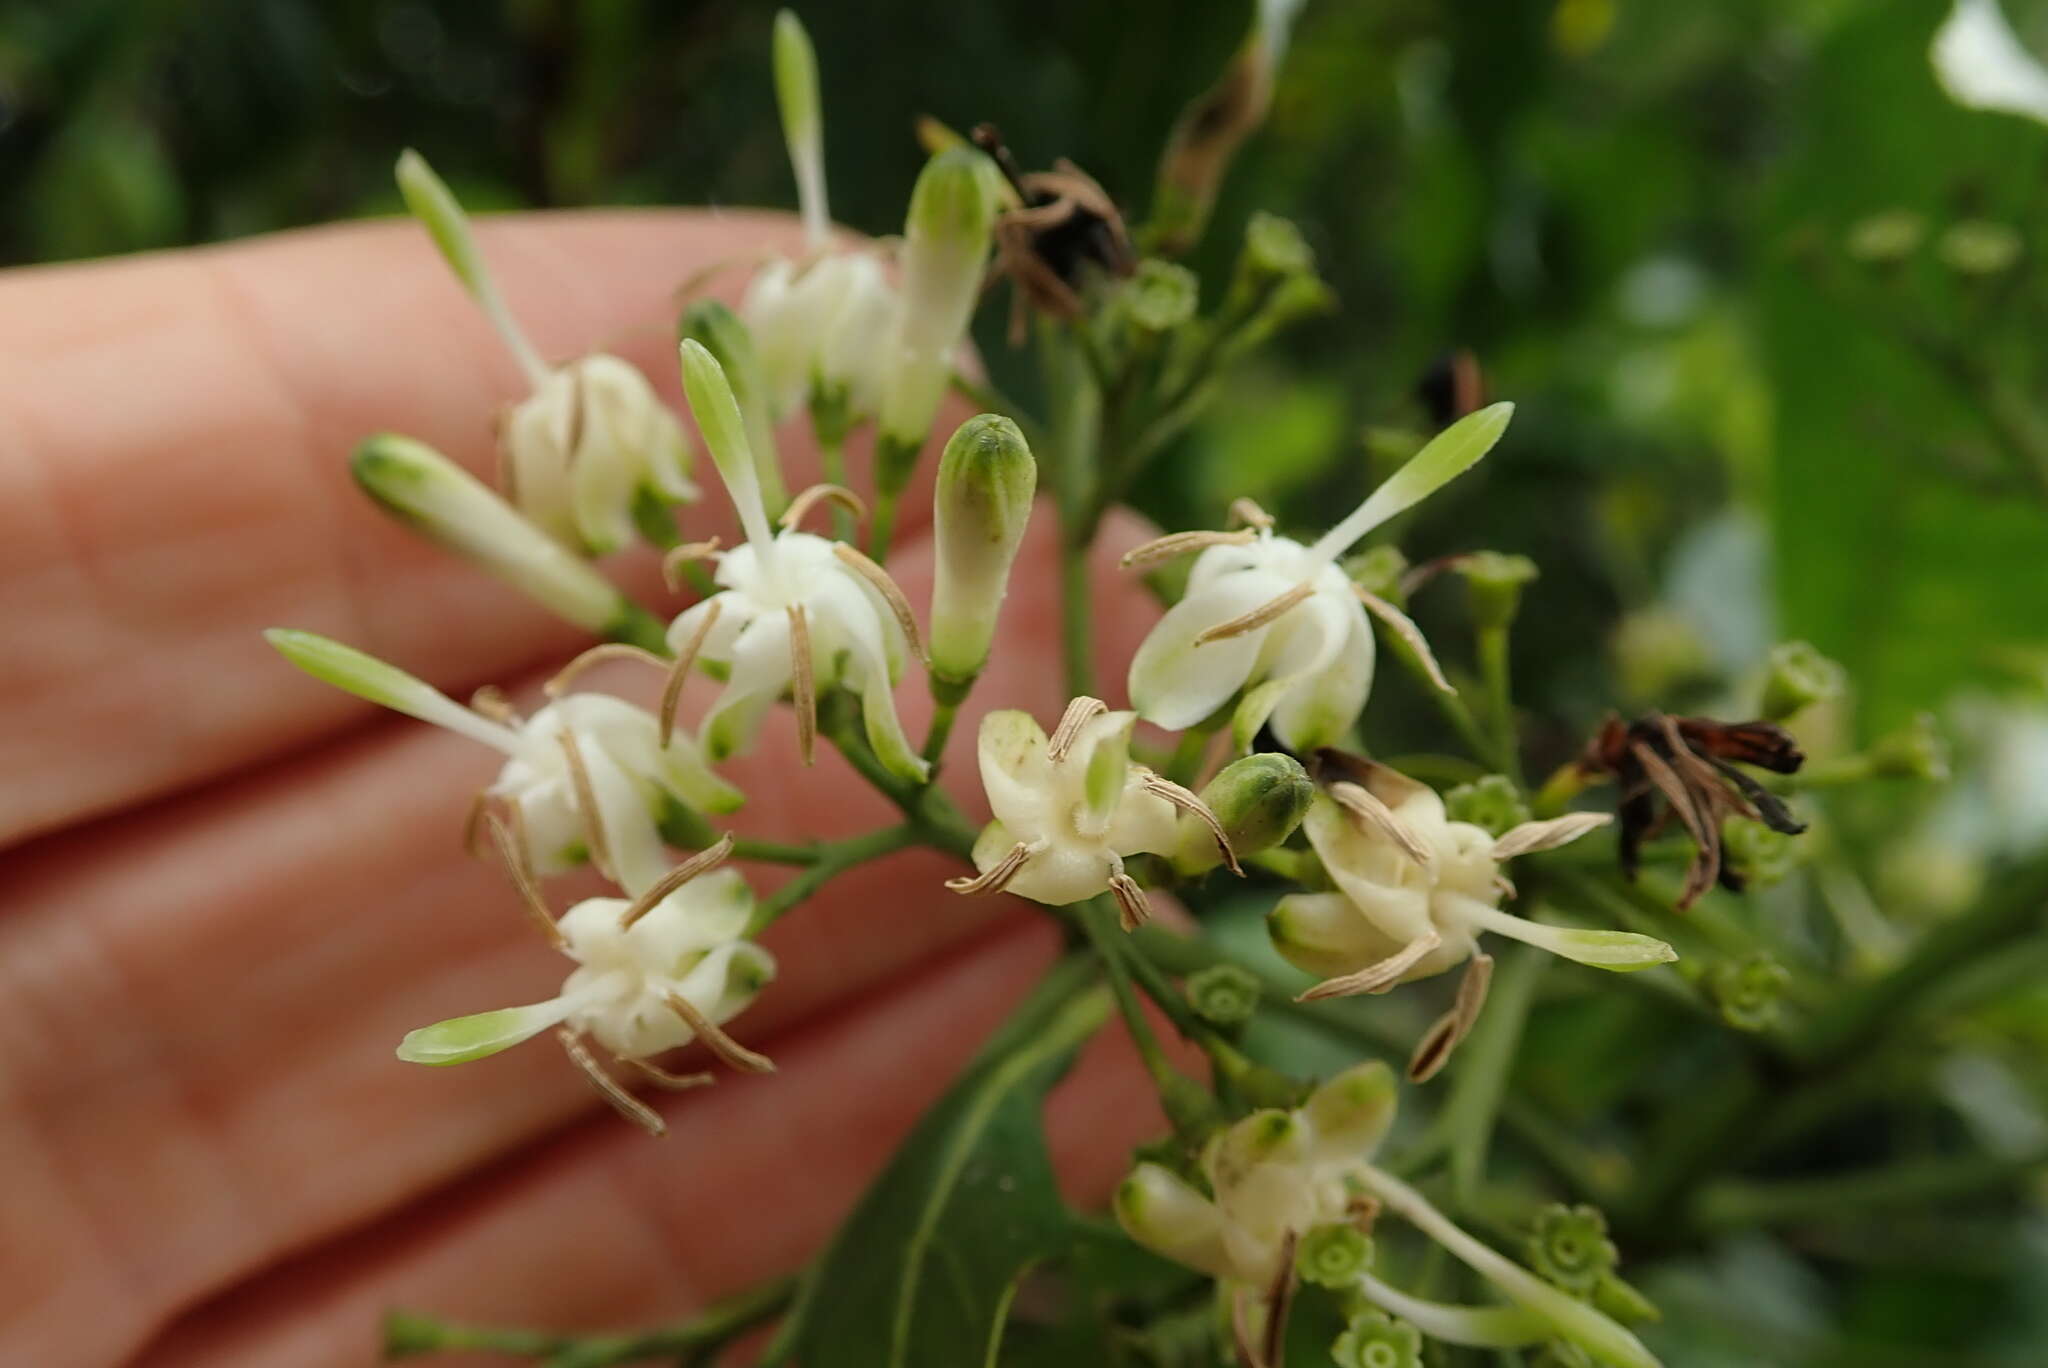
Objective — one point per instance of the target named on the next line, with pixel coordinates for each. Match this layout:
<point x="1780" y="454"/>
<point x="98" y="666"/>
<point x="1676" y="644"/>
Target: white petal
<point x="1175" y="683"/>
<point x="1159" y="1210"/>
<point x="1011" y="751"/>
<point x="1982" y="64"/>
<point x="1144" y="822"/>
<point x="1324" y="934"/>
<point x="1302" y="645"/>
<point x="535" y="448"/>
<point x="1389" y="890"/>
<point x="1063" y="873"/>
<point x="1350" y="1114"/>
<point x="625" y="809"/>
<point x="760" y="672"/>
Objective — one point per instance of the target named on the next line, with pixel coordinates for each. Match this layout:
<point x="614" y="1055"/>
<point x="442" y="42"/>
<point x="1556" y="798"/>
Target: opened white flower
<point x="585" y="777"/>
<point x="592" y="445"/>
<point x="1276" y="624"/>
<point x="797" y="613"/>
<point x="652" y="974"/>
<point x="1068" y="809"/>
<point x="1982" y="64"/>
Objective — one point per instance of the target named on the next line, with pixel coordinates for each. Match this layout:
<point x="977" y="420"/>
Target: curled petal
<point x="1530" y="837"/>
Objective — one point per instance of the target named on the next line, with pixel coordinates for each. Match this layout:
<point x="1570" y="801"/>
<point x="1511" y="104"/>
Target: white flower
<point x="592" y="441"/>
<point x="1277" y="624"/>
<point x="586" y="776"/>
<point x="821" y="330"/>
<point x="1274" y="1175"/>
<point x="797" y="612"/>
<point x="1068" y="809"/>
<point x="1981" y="63"/>
<point x="652" y="974"/>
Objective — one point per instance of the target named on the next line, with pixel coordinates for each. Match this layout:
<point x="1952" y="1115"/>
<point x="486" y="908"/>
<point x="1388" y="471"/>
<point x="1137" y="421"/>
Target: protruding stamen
<point x="673" y="561"/>
<point x="1377" y="978"/>
<point x="729" y="1051"/>
<point x="1191" y="804"/>
<point x="490" y="701"/>
<point x="627" y="1105"/>
<point x="1132" y="905"/>
<point x="997" y="876"/>
<point x="1079" y="714"/>
<point x="800" y="507"/>
<point x="679" y="673"/>
<point x="1404" y="627"/>
<point x="662" y="1078"/>
<point x="709" y="858"/>
<point x="597" y="655"/>
<point x="1453" y="1026"/>
<point x="803" y="682"/>
<point x="1375" y="817"/>
<point x="1548" y="835"/>
<point x="892" y="593"/>
<point x="586" y="804"/>
<point x="473" y="822"/>
<point x="1248" y="512"/>
<point x="1175" y="544"/>
<point x="1267" y="612"/>
<point x="512" y="853"/>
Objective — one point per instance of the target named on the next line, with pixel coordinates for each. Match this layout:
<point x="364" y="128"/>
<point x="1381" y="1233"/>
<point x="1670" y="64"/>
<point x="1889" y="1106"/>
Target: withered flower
<point x="1065" y="224"/>
<point x="1689" y="763"/>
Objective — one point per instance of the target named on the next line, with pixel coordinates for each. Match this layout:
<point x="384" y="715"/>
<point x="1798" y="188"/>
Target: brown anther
<point x="674" y="559"/>
<point x="1133" y="907"/>
<point x="1377" y="978"/>
<point x="705" y="860"/>
<point x="801" y="506"/>
<point x="597" y="655"/>
<point x="1248" y="512"/>
<point x="586" y="804"/>
<point x="1403" y="626"/>
<point x="1364" y="1211"/>
<point x="729" y="1051"/>
<point x="491" y="702"/>
<point x="803" y="682"/>
<point x="1372" y="815"/>
<point x="1080" y="712"/>
<point x="854" y="559"/>
<point x="512" y="854"/>
<point x="627" y="1105"/>
<point x="998" y="875"/>
<point x="679" y="673"/>
<point x="1175" y="544"/>
<point x="1453" y="1026"/>
<point x="1266" y="613"/>
<point x="1530" y="837"/>
<point x="1192" y="804"/>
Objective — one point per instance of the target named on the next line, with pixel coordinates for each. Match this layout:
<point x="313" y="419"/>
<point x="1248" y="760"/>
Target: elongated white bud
<point x="986" y="480"/>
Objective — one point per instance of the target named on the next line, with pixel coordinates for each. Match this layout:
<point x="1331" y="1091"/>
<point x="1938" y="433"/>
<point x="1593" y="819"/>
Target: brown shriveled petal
<point x="673" y="561"/>
<point x="623" y="1102"/>
<point x="801" y="506"/>
<point x="1133" y="908"/>
<point x="1248" y="512"/>
<point x="1373" y="816"/>
<point x="586" y="804"/>
<point x="1453" y="1026"/>
<point x="1079" y="713"/>
<point x="1175" y="544"/>
<point x="803" y="683"/>
<point x="1269" y="611"/>
<point x="1189" y="803"/>
<point x="512" y="853"/>
<point x="662" y="1078"/>
<point x="491" y="702"/>
<point x="729" y="1051"/>
<point x="1530" y="837"/>
<point x="679" y="673"/>
<point x="1695" y="813"/>
<point x="705" y="860"/>
<point x="1279" y="1301"/>
<point x="998" y="875"/>
<point x="1403" y="626"/>
<point x="854" y="559"/>
<point x="597" y="655"/>
<point x="1376" y="978"/>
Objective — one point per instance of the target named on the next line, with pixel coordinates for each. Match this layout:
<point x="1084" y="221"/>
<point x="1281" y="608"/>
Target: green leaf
<point x="922" y="1272"/>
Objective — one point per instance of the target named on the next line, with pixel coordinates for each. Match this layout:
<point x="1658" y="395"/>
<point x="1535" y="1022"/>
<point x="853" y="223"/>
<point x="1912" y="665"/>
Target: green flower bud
<point x="1570" y="1248"/>
<point x="1378" y="569"/>
<point x="719" y="330"/>
<point x="1622" y="1301"/>
<point x="1976" y="247"/>
<point x="1657" y="653"/>
<point x="1494" y="580"/>
<point x="1757" y="855"/>
<point x="1258" y="800"/>
<point x="1375" y="1339"/>
<point x="1274" y="246"/>
<point x="1333" y="1255"/>
<point x="1223" y="995"/>
<point x="1748" y="990"/>
<point x="983" y="501"/>
<point x="1161" y="296"/>
<point x="1888" y="238"/>
<point x="803" y="128"/>
<point x="1800" y="676"/>
<point x="1491" y="801"/>
<point x="441" y="500"/>
<point x="1917" y="751"/>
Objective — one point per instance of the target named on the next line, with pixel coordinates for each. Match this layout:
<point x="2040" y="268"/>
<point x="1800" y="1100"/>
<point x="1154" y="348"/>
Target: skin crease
<point x="228" y="890"/>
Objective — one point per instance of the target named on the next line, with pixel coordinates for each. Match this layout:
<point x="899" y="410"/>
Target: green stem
<point x="1074" y="451"/>
<point x="778" y="852"/>
<point x="1500" y="707"/>
<point x="1077" y="609"/>
<point x="1735" y="1204"/>
<point x="833" y="859"/>
<point x="407" y="1334"/>
<point x="1484" y="1063"/>
<point x="943" y="716"/>
<point x="1186" y="765"/>
<point x="832" y="466"/>
<point x="1098" y="922"/>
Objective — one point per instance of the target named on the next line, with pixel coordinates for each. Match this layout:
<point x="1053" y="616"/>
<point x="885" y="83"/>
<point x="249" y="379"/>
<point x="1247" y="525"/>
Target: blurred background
<point x="1770" y="302"/>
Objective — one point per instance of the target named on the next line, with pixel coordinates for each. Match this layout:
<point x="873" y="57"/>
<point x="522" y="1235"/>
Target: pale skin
<point x="226" y="891"/>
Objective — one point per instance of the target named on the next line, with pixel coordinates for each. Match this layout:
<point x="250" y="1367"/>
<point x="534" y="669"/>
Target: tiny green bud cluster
<point x="1748" y="990"/>
<point x="1757" y="855"/>
<point x="1800" y="676"/>
<point x="1224" y="995"/>
<point x="1494" y="581"/>
<point x="1333" y="1255"/>
<point x="1570" y="1248"/>
<point x="1490" y="802"/>
<point x="1915" y="751"/>
<point x="1375" y="1339"/>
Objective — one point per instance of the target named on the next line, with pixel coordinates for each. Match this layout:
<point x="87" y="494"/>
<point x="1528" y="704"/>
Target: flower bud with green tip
<point x="1917" y="751"/>
<point x="444" y="502"/>
<point x="1333" y="1255"/>
<point x="719" y="330"/>
<point x="1570" y="1248"/>
<point x="1490" y="802"/>
<point x="803" y="124"/>
<point x="1748" y="990"/>
<point x="1258" y="802"/>
<point x="1799" y="677"/>
<point x="987" y="478"/>
<point x="1374" y="1339"/>
<point x="1493" y="583"/>
<point x="1757" y="855"/>
<point x="1160" y="296"/>
<point x="1224" y="995"/>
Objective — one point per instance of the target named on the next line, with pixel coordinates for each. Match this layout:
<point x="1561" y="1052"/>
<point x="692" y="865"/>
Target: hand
<point x="229" y="890"/>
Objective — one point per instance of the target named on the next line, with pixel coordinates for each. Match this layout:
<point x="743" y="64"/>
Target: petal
<point x="1302" y="644"/>
<point x="1530" y="837"/>
<point x="1322" y="709"/>
<point x="1011" y="751"/>
<point x="1174" y="682"/>
<point x="626" y="811"/>
<point x="1100" y="760"/>
<point x="725" y="982"/>
<point x="461" y="1039"/>
<point x="1064" y="873"/>
<point x="1161" y="1211"/>
<point x="760" y="672"/>
<point x="1325" y="935"/>
<point x="704" y="914"/>
<point x="1387" y="888"/>
<point x="1982" y="64"/>
<point x="1350" y="1114"/>
<point x="844" y="602"/>
<point x="535" y="450"/>
<point x="1145" y="823"/>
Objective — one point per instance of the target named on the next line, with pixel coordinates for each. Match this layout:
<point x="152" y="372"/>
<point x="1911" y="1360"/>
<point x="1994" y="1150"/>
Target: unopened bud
<point x="1224" y="995"/>
<point x="1274" y="246"/>
<point x="979" y="510"/>
<point x="1161" y="296"/>
<point x="1757" y="855"/>
<point x="1494" y="583"/>
<point x="1375" y="1339"/>
<point x="1748" y="990"/>
<point x="1570" y="1248"/>
<point x="1800" y="676"/>
<point x="1259" y="801"/>
<point x="1378" y="570"/>
<point x="1491" y="801"/>
<point x="1917" y="751"/>
<point x="1978" y="247"/>
<point x="1333" y="1255"/>
<point x="1887" y="238"/>
<point x="444" y="502"/>
<point x="721" y="332"/>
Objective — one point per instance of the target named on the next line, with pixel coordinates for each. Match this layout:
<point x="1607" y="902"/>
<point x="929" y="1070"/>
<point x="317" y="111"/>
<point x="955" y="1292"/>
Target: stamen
<point x="1364" y="1211"/>
<point x="1404" y="627"/>
<point x="729" y="1051"/>
<point x="586" y="804"/>
<point x="1131" y="902"/>
<point x="803" y="682"/>
<point x="597" y="655"/>
<point x="1175" y="544"/>
<point x="627" y="1105"/>
<point x="1453" y="1026"/>
<point x="491" y="702"/>
<point x="1241" y="1329"/>
<point x="709" y="858"/>
<point x="1258" y="617"/>
<point x="1548" y="835"/>
<point x="855" y="560"/>
<point x="473" y="822"/>
<point x="1248" y="512"/>
<point x="679" y="673"/>
<point x="673" y="561"/>
<point x="662" y="1078"/>
<point x="802" y="504"/>
<point x="512" y="852"/>
<point x="998" y="875"/>
<point x="578" y="401"/>
<point x="1373" y="816"/>
<point x="1079" y="714"/>
<point x="1377" y="978"/>
<point x="1279" y="1301"/>
<point x="1189" y="803"/>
